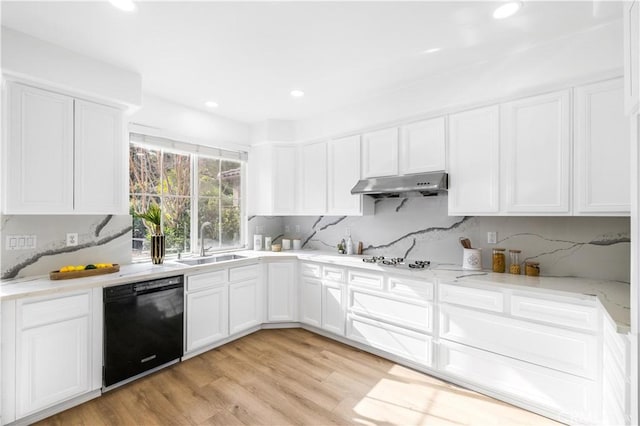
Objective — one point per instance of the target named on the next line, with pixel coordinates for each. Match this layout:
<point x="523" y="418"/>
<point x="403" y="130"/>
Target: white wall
<point x="564" y="62"/>
<point x="50" y="65"/>
<point x="161" y="117"/>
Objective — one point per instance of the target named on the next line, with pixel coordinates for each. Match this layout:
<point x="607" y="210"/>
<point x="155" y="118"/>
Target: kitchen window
<point x="192" y="185"/>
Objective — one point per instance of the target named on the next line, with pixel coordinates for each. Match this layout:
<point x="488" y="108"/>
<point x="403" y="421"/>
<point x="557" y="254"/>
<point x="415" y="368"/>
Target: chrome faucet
<point x="204" y="225"/>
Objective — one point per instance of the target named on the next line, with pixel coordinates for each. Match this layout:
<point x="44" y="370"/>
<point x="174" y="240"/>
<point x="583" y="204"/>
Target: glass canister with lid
<point x="514" y="267"/>
<point x="498" y="262"/>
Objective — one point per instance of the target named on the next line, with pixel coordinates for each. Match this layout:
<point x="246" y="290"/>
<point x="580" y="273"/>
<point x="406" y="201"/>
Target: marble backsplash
<point x="420" y="228"/>
<point x="101" y="239"/>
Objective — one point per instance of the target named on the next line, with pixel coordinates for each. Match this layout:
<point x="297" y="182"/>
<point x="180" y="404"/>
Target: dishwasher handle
<point x="158" y="285"/>
<point x="112" y="294"/>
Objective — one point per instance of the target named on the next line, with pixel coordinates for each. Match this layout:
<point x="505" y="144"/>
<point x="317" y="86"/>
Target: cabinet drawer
<point x="407" y="344"/>
<point x="560" y="392"/>
<point x="412" y="288"/>
<point x="414" y="314"/>
<point x="554" y="312"/>
<point x="333" y="274"/>
<point x="243" y="273"/>
<point x="359" y="278"/>
<point x="209" y="279"/>
<point x="310" y="270"/>
<point x="557" y="348"/>
<point x="472" y="297"/>
<point x="39" y="312"/>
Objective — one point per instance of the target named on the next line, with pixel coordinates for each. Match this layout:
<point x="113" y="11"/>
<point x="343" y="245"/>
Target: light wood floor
<point x="291" y="376"/>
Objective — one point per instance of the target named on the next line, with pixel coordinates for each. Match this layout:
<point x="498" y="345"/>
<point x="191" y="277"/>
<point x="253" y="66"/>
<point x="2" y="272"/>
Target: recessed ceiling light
<point x="126" y="5"/>
<point x="507" y="9"/>
<point x="211" y="104"/>
<point x="297" y="93"/>
<point x="432" y="50"/>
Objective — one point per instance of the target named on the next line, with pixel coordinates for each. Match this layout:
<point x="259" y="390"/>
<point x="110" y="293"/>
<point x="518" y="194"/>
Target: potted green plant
<point x="152" y="218"/>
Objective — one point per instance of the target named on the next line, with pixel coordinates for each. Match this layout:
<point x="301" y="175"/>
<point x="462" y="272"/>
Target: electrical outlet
<point x="72" y="239"/>
<point x="297" y="229"/>
<point x="287" y="229"/>
<point x="347" y="231"/>
<point x="492" y="237"/>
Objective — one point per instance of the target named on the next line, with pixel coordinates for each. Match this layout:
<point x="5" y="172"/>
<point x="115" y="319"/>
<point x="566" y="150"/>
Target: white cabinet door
<point x="631" y="21"/>
<point x="259" y="191"/>
<point x="272" y="179"/>
<point x="311" y="301"/>
<point x="284" y="180"/>
<point x="245" y="305"/>
<point x="536" y="137"/>
<point x="333" y="307"/>
<point x="474" y="157"/>
<point x="344" y="173"/>
<point x="207" y="316"/>
<point x="422" y="147"/>
<point x="38" y="158"/>
<point x="54" y="362"/>
<point x="380" y="153"/>
<point x="313" y="179"/>
<point x="100" y="167"/>
<point x="601" y="150"/>
<point x="54" y="346"/>
<point x="281" y="291"/>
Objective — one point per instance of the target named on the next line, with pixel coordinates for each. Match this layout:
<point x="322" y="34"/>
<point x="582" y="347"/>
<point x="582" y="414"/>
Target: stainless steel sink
<point x="210" y="259"/>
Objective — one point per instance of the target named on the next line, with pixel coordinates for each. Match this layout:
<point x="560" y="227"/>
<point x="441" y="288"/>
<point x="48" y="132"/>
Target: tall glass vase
<point x="157" y="249"/>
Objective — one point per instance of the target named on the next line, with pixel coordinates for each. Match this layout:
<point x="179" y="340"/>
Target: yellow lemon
<point x="80" y="268"/>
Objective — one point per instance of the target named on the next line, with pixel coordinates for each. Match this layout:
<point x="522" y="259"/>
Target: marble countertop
<point x="613" y="295"/>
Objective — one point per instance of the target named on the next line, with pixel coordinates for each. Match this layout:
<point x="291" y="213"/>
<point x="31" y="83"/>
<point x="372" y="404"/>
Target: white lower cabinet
<point x="394" y="314"/>
<point x="58" y="351"/>
<point x="281" y="291"/>
<point x="245" y="305"/>
<point x="310" y="305"/>
<point x="553" y="347"/>
<point x="526" y="347"/>
<point x="616" y="373"/>
<point x="206" y="310"/>
<point x="333" y="311"/>
<point x="574" y="397"/>
<point x="399" y="341"/>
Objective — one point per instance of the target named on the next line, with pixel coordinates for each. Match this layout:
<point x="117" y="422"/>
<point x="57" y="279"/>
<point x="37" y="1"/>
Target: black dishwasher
<point x="142" y="328"/>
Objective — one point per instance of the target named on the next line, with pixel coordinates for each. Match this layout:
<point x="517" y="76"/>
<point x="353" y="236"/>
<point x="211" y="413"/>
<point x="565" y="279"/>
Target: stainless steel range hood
<point x="423" y="184"/>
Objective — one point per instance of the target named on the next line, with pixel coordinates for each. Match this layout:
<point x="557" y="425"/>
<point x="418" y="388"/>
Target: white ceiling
<point x="247" y="56"/>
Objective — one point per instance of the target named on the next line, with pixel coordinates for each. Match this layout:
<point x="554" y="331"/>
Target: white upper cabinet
<point x="474" y="152"/>
<point x="344" y="173"/>
<point x="60" y="162"/>
<point x="284" y="180"/>
<point x="631" y="19"/>
<point x="380" y="153"/>
<point x="601" y="150"/>
<point x="422" y="147"/>
<point x="38" y="155"/>
<point x="272" y="179"/>
<point x="313" y="179"/>
<point x="536" y="142"/>
<point x="100" y="160"/>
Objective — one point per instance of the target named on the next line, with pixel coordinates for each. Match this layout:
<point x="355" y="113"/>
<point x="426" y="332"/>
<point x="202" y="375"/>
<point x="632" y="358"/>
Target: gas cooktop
<point x="397" y="262"/>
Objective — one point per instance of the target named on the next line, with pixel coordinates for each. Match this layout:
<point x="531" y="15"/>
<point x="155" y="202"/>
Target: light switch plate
<point x="492" y="237"/>
<point x="20" y="242"/>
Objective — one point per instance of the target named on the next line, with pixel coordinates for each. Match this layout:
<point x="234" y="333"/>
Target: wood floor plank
<point x="291" y="377"/>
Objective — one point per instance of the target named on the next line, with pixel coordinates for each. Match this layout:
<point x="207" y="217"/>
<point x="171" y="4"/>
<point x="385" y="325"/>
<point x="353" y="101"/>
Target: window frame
<point x="194" y="186"/>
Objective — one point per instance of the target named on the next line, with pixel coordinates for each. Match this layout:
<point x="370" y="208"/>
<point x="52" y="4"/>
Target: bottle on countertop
<point x="349" y="245"/>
